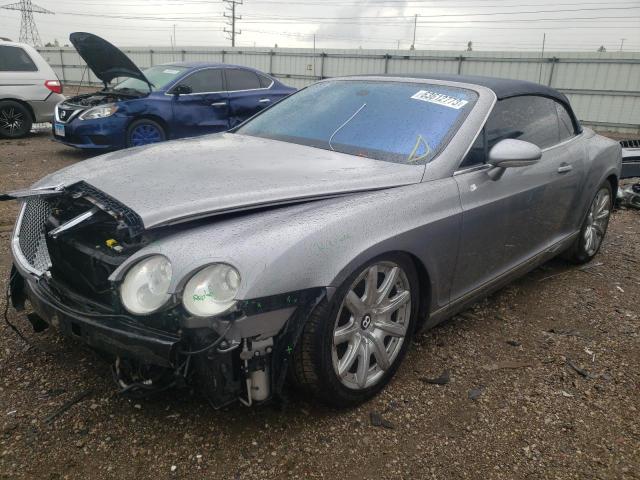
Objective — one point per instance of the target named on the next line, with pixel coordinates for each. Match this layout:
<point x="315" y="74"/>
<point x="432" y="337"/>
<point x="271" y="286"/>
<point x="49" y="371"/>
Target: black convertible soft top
<point x="502" y="87"/>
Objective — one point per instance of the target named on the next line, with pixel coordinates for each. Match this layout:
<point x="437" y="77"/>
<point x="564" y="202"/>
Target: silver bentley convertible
<point x="309" y="244"/>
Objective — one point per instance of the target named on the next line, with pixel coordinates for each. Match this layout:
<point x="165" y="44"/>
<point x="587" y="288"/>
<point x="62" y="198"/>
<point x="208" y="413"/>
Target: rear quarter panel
<point x="603" y="159"/>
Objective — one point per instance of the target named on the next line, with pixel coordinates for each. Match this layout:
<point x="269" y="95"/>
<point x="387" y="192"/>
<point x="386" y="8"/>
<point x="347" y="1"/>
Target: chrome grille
<point x="30" y="235"/>
<point x="65" y="114"/>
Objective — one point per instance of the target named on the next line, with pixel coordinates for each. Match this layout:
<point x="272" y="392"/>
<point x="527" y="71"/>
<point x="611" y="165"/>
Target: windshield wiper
<point x="344" y="125"/>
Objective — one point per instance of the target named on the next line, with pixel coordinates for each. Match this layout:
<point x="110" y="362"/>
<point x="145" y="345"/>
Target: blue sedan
<point x="169" y="101"/>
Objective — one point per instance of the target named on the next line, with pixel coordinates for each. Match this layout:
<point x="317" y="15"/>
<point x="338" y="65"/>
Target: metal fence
<point x="604" y="88"/>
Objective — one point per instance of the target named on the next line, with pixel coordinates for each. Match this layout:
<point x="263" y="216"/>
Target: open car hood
<point x="105" y="60"/>
<point x="183" y="180"/>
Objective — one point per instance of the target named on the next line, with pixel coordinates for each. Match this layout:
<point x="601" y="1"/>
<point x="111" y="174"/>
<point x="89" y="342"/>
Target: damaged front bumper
<point x="252" y="351"/>
<point x="101" y="330"/>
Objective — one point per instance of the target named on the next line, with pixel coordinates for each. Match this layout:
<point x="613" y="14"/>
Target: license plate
<point x="58" y="129"/>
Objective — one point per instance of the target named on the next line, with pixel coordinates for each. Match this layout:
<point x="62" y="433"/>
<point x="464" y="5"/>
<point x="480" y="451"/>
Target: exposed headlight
<point x="212" y="290"/>
<point x="99" y="112"/>
<point x="146" y="285"/>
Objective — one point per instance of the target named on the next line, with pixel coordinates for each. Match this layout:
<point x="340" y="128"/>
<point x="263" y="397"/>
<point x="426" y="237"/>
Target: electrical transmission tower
<point x="28" y="30"/>
<point x="231" y="6"/>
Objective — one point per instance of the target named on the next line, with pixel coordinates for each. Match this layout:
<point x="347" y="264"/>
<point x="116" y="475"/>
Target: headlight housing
<point x="146" y="285"/>
<point x="212" y="290"/>
<point x="101" y="111"/>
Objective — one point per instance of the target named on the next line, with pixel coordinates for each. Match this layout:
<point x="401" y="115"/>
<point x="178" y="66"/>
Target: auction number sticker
<point x="439" y="99"/>
<point x="169" y="70"/>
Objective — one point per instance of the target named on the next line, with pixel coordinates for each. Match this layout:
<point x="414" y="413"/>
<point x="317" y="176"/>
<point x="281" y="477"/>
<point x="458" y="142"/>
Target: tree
<point x="602" y="49"/>
<point x="469" y="46"/>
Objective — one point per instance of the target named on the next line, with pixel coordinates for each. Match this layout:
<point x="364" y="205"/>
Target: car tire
<point x="15" y="119"/>
<point x="145" y="131"/>
<point x="336" y="373"/>
<point x="594" y="227"/>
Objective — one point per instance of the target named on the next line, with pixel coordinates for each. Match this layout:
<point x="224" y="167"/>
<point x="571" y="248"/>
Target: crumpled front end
<point x="67" y="245"/>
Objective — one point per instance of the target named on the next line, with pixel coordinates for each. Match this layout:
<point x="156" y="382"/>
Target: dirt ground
<point x="544" y="383"/>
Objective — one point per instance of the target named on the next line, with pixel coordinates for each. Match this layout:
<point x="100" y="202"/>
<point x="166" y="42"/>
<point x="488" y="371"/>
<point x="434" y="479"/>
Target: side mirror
<point x="511" y="153"/>
<point x="182" y="90"/>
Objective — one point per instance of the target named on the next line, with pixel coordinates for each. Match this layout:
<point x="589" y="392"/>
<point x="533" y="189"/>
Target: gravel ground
<point x="544" y="383"/>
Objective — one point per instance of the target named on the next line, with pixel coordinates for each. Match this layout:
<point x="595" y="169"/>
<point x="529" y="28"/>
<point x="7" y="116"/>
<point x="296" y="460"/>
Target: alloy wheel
<point x="371" y="325"/>
<point x="11" y="121"/>
<point x="597" y="221"/>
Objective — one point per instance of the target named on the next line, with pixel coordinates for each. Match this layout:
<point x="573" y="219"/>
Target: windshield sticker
<point x="168" y="70"/>
<point x="440" y="99"/>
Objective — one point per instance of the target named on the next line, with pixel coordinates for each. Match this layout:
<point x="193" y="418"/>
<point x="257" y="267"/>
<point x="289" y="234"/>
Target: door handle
<point x="264" y="100"/>
<point x="565" y="168"/>
<point x="219" y="104"/>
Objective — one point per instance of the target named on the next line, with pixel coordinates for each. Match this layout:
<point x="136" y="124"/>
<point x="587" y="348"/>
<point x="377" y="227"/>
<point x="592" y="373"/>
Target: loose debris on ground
<point x="534" y="417"/>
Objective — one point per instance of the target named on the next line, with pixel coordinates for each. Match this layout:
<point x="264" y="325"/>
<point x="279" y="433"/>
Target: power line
<point x="28" y="29"/>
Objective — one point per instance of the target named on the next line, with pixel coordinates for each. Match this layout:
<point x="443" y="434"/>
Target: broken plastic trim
<point x="32" y="192"/>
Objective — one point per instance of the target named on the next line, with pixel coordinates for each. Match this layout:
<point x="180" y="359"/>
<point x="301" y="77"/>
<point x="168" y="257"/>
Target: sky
<point x="491" y="25"/>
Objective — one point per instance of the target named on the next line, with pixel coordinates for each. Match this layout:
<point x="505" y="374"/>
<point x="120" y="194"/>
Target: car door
<point x="484" y="223"/>
<point x="205" y="108"/>
<point x="509" y="220"/>
<point x="542" y="194"/>
<point x="249" y="92"/>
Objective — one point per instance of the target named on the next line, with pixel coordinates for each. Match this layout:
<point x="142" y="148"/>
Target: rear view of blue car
<point x="164" y="102"/>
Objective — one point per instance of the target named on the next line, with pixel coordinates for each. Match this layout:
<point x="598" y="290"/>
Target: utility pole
<point x="28" y="30"/>
<point x="231" y="6"/>
<point x="622" y="43"/>
<point x="415" y="26"/>
<point x="544" y="39"/>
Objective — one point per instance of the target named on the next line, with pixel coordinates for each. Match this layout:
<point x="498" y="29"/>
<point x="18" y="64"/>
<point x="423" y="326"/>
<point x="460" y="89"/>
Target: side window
<point x="477" y="154"/>
<point x="241" y="80"/>
<point x="567" y="129"/>
<point x="265" y="81"/>
<point x="204" y="81"/>
<point x="530" y="118"/>
<point x="15" y="59"/>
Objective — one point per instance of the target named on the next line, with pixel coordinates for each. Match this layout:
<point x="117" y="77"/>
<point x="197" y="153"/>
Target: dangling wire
<point x="6" y="311"/>
<point x="344" y="124"/>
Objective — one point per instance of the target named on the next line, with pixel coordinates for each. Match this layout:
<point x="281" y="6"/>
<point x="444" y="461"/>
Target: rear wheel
<point x="144" y="132"/>
<point x="352" y="345"/>
<point x="15" y="119"/>
<point x="594" y="228"/>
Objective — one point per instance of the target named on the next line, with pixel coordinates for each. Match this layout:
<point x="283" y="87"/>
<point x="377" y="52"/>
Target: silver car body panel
<point x="466" y="231"/>
<point x="29" y="87"/>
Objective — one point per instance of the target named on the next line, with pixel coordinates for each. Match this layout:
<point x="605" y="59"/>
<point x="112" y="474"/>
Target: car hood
<point x="182" y="180"/>
<point x="105" y="60"/>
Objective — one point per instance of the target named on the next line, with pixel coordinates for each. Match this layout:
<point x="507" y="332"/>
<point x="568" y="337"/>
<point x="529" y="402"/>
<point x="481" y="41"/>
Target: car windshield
<point x="160" y="76"/>
<point x="391" y="121"/>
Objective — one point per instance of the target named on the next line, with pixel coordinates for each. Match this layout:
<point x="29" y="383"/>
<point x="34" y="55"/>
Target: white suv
<point x="29" y="89"/>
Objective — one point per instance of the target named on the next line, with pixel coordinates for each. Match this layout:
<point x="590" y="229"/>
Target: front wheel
<point x="15" y="119"/>
<point x="144" y="132"/>
<point x="352" y="345"/>
<point x="594" y="228"/>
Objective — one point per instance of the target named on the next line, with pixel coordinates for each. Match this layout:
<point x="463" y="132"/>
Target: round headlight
<point x="146" y="285"/>
<point x="212" y="290"/>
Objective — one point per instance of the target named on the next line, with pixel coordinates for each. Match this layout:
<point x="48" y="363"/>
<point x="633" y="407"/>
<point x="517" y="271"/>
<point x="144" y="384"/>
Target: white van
<point x="29" y="89"/>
